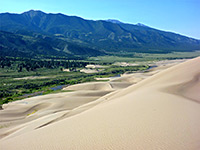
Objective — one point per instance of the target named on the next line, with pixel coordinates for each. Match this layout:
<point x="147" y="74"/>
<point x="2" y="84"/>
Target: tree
<point x="20" y="68"/>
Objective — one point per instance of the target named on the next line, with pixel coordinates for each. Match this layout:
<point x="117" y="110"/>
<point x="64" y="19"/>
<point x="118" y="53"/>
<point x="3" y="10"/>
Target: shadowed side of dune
<point x="190" y="90"/>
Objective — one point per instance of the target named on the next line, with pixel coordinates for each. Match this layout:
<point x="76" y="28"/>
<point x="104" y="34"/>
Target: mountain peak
<point x="141" y="25"/>
<point x="114" y="21"/>
<point x="33" y="13"/>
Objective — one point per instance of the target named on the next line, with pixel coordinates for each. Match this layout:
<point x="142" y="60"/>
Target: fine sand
<point x="156" y="110"/>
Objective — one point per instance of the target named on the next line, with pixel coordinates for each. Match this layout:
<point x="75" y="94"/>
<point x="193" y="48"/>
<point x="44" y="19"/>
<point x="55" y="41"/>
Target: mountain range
<point x="38" y="33"/>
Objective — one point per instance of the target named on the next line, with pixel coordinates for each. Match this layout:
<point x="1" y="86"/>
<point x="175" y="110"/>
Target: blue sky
<point x="179" y="16"/>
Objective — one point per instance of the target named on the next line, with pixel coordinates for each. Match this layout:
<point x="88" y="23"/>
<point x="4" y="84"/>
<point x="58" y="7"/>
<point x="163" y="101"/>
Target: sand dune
<point x="99" y="86"/>
<point x="161" y="112"/>
<point x="90" y="86"/>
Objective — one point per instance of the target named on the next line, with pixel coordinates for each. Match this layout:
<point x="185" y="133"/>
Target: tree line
<point x="32" y="65"/>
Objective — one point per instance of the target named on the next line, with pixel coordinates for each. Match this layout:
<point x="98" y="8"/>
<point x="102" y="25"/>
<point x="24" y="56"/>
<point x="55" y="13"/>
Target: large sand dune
<point x="161" y="112"/>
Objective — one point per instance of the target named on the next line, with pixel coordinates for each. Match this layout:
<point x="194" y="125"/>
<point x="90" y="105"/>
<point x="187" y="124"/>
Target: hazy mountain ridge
<point x="100" y="35"/>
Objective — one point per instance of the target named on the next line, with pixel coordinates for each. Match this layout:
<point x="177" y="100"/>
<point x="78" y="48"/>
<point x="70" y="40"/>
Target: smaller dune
<point x="91" y="86"/>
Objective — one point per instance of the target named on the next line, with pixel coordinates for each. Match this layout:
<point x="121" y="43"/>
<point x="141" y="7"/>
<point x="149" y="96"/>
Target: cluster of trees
<point x="32" y="65"/>
<point x="5" y="62"/>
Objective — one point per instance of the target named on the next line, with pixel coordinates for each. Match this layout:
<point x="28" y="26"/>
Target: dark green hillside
<point x="38" y="45"/>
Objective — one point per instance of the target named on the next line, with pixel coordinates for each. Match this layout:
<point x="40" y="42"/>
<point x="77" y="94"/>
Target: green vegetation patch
<point x="34" y="111"/>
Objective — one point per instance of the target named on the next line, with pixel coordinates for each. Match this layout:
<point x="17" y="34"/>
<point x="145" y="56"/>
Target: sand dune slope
<point x="161" y="112"/>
